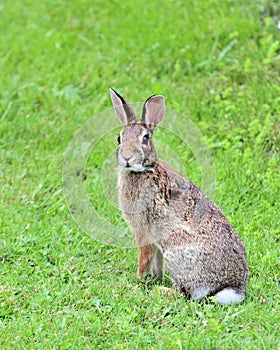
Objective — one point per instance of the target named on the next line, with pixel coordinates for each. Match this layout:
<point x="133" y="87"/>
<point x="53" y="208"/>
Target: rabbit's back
<point x="203" y="253"/>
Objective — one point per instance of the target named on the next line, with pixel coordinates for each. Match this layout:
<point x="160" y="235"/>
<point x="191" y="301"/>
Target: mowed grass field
<point x="218" y="64"/>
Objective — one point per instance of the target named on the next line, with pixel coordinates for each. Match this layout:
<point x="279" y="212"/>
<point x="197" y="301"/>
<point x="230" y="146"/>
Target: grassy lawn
<point x="217" y="63"/>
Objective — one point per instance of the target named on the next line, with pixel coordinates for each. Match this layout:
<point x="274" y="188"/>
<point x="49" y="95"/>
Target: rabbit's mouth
<point x="135" y="163"/>
<point x="138" y="168"/>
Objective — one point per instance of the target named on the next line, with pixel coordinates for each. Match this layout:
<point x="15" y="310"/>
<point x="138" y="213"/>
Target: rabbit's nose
<point x="127" y="155"/>
<point x="126" y="159"/>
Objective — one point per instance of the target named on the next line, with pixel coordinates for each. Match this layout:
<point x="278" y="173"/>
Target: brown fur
<point x="172" y="219"/>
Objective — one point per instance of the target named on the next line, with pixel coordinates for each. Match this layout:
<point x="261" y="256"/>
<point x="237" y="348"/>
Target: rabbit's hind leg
<point x="200" y="293"/>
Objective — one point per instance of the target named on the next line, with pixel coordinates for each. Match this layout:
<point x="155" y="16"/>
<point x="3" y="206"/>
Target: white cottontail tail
<point x="172" y="219"/>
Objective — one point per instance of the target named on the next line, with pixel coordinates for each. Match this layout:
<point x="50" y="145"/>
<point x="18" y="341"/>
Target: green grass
<point x="218" y="64"/>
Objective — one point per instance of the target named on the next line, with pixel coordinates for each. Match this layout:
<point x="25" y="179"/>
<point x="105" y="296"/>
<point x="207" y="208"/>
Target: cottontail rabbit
<point x="172" y="219"/>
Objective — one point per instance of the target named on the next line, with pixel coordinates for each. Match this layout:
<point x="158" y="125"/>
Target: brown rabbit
<point x="171" y="218"/>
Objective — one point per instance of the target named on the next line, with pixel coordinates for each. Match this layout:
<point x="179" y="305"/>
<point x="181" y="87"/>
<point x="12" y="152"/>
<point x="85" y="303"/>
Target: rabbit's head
<point x="136" y="151"/>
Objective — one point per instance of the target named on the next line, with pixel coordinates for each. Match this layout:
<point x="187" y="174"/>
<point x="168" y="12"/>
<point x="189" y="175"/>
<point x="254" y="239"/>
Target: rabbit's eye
<point x="119" y="139"/>
<point x="145" y="139"/>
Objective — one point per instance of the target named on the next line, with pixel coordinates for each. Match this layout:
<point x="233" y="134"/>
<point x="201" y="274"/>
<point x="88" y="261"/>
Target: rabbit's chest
<point x="140" y="200"/>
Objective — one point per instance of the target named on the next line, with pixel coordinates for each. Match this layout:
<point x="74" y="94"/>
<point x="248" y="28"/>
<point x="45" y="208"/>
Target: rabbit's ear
<point x="153" y="111"/>
<point x="122" y="108"/>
